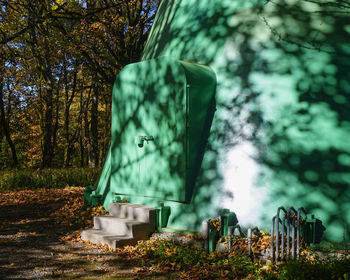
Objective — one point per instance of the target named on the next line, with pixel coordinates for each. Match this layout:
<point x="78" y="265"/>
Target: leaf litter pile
<point x="40" y="239"/>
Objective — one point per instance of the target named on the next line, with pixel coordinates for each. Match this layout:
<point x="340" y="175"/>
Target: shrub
<point x="327" y="268"/>
<point x="47" y="178"/>
<point x="194" y="263"/>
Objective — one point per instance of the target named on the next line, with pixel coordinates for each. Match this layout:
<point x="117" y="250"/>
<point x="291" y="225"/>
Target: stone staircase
<point x="126" y="224"/>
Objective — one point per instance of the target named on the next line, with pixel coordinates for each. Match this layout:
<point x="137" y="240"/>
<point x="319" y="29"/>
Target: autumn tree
<point x="68" y="54"/>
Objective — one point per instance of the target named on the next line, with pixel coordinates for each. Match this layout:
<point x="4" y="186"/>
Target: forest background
<point x="58" y="63"/>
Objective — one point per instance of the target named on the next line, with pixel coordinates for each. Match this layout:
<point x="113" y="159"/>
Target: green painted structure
<point x="172" y="103"/>
<point x="280" y="134"/>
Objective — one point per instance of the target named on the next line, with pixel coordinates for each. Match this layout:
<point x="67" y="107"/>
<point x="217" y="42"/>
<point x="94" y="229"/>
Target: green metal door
<point x="156" y="137"/>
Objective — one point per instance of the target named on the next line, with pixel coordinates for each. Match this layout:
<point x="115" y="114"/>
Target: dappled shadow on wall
<point x="161" y="114"/>
<point x="283" y="85"/>
<point x="303" y="83"/>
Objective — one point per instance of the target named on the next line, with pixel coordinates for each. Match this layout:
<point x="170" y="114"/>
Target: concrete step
<point x="131" y="211"/>
<point x="98" y="236"/>
<point x="126" y="224"/>
<point x="119" y="226"/>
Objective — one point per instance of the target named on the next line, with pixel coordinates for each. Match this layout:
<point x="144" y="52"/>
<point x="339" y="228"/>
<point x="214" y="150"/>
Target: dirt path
<point x="30" y="246"/>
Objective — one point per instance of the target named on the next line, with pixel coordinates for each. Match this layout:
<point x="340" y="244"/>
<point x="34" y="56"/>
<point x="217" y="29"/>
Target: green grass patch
<point x="326" y="268"/>
<point x="47" y="178"/>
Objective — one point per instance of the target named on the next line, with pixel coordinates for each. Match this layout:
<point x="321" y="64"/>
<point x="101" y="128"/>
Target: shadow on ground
<point x="30" y="246"/>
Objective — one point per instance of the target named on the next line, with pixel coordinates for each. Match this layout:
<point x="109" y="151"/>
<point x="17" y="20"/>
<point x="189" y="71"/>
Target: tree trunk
<point x="87" y="138"/>
<point x="86" y="129"/>
<point x="4" y="122"/>
<point x="1" y="137"/>
<point x="55" y="126"/>
<point x="81" y="138"/>
<point x="94" y="126"/>
<point x="70" y="140"/>
<point x="68" y="148"/>
<point x="47" y="131"/>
